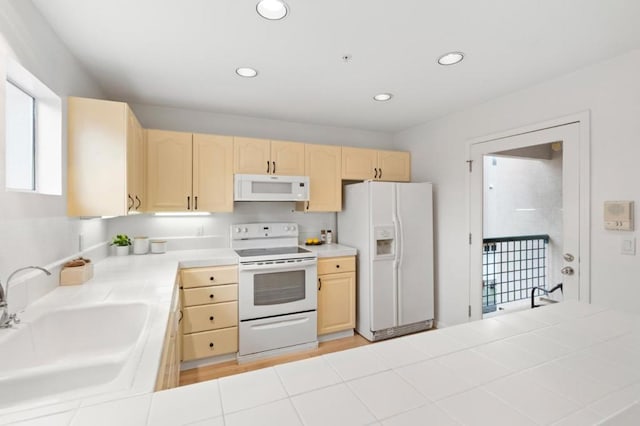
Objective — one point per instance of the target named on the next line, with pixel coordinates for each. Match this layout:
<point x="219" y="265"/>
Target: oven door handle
<point x="285" y="265"/>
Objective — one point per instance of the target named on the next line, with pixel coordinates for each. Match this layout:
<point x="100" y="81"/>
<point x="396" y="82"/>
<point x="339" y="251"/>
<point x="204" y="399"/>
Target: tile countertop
<point x="332" y="250"/>
<point x="135" y="278"/>
<point x="569" y="364"/>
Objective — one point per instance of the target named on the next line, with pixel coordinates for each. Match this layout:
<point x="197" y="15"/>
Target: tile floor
<point x="529" y="368"/>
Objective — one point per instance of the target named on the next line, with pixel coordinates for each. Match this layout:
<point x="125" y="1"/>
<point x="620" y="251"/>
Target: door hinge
<point x="470" y="239"/>
<point x="469" y="311"/>
<point x="470" y="163"/>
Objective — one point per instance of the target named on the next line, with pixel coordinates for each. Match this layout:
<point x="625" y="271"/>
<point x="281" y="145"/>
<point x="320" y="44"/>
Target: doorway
<point x="570" y="236"/>
<point x="522" y="228"/>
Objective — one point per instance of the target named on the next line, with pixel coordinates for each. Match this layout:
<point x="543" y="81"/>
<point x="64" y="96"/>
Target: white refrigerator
<point x="391" y="225"/>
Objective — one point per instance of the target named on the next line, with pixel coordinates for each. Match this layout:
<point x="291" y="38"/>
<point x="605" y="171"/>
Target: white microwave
<point x="271" y="188"/>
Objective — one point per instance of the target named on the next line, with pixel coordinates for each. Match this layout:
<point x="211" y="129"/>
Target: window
<point x="20" y="139"/>
<point x="33" y="134"/>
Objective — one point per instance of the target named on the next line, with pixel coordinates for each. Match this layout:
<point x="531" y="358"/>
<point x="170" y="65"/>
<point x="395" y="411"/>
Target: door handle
<point x="274" y="167"/>
<point x="195" y="202"/>
<point x="132" y="202"/>
<point x="567" y="270"/>
<point x="319" y="284"/>
<point x="568" y="257"/>
<point x="188" y="202"/>
<point x="268" y="166"/>
<point x="375" y="176"/>
<point x="139" y="202"/>
<point x="380" y="174"/>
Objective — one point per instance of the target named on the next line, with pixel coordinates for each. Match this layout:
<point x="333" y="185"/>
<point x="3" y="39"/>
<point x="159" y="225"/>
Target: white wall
<point x="611" y="91"/>
<point x="184" y="120"/>
<point x="34" y="229"/>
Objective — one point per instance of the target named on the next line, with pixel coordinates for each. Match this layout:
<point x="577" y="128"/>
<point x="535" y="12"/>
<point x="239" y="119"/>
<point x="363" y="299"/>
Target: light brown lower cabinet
<point x="169" y="372"/>
<point x="336" y="294"/>
<point x="210" y="311"/>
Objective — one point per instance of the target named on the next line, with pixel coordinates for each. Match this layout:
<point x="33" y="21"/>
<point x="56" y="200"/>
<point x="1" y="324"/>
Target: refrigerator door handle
<point x="397" y="262"/>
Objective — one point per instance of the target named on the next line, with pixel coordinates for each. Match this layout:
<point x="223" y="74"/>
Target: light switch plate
<point x="628" y="246"/>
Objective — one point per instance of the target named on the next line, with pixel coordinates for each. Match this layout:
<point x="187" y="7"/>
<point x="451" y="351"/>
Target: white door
<point x="414" y="213"/>
<point x="573" y="223"/>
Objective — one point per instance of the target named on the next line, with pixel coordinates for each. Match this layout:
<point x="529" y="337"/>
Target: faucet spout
<point x="5" y="318"/>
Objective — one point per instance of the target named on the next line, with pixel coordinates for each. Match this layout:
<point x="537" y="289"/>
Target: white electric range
<point x="277" y="295"/>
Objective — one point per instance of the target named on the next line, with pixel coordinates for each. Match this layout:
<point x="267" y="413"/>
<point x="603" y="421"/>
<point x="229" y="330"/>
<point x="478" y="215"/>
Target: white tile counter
<point x="148" y="279"/>
<point x="332" y="250"/>
<point x="565" y="364"/>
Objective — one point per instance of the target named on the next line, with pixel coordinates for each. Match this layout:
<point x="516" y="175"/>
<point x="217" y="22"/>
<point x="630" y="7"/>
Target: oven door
<point x="271" y="289"/>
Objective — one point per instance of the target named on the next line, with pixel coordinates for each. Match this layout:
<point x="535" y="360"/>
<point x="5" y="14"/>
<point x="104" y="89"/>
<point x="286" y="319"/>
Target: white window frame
<point x="47" y="132"/>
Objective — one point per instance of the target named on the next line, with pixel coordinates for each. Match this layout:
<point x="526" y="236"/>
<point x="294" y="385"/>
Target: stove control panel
<point x="248" y="231"/>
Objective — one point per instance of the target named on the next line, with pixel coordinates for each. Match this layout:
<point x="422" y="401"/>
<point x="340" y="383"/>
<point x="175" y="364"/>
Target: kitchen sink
<point x="71" y="351"/>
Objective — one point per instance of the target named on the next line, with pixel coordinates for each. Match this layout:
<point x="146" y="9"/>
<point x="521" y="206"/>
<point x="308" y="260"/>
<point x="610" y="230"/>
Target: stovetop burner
<point x="271" y="251"/>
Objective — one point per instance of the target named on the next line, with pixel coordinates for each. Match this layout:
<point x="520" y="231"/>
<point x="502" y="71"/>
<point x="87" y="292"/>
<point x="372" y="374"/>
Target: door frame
<point x="583" y="119"/>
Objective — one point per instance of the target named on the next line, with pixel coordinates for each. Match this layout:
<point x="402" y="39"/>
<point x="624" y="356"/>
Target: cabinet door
<point x="359" y="163"/>
<point x="169" y="157"/>
<point x="97" y="158"/>
<point x="135" y="163"/>
<point x="394" y="166"/>
<point x="287" y="158"/>
<point x="323" y="165"/>
<point x="251" y="156"/>
<point x="212" y="173"/>
<point x="336" y="302"/>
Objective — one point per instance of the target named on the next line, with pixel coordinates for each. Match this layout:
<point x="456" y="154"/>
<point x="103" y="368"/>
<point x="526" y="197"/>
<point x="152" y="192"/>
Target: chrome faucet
<point x="5" y="318"/>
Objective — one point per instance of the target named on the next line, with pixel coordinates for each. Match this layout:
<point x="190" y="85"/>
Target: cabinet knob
<point x="211" y="296"/>
<point x="211" y="278"/>
<point x="337" y="266"/>
<point x="211" y="345"/>
<point x="211" y="318"/>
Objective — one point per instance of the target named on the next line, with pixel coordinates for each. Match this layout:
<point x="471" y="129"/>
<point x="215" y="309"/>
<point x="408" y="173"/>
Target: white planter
<point x="122" y="250"/>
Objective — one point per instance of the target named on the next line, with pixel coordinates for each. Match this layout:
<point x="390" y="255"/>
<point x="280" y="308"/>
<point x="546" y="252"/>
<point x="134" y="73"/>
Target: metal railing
<point x="512" y="267"/>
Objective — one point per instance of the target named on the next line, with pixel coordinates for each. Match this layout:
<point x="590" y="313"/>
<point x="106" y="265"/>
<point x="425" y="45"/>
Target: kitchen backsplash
<point x="212" y="231"/>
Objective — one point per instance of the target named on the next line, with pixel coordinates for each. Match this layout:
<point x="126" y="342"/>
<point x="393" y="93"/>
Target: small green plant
<point x="121" y="240"/>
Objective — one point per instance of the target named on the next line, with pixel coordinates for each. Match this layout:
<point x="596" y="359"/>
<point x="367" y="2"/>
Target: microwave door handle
<point x="281" y="266"/>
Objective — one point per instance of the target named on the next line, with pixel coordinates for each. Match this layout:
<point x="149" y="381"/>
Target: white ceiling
<point x="183" y="53"/>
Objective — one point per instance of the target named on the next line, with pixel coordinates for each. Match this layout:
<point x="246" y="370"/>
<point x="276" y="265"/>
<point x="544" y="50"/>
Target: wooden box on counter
<point x="76" y="275"/>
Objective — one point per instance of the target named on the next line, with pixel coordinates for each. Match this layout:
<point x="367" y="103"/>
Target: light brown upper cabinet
<point x="189" y="172"/>
<point x="323" y="166"/>
<point x="262" y="156"/>
<point x="364" y="164"/>
<point x="105" y="160"/>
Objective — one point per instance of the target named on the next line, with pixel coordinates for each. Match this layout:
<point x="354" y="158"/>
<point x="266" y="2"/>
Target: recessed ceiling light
<point x="451" y="58"/>
<point x="246" y="72"/>
<point x="272" y="9"/>
<point x="383" y="97"/>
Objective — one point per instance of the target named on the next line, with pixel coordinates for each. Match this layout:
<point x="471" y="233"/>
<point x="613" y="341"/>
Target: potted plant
<point x="122" y="243"/>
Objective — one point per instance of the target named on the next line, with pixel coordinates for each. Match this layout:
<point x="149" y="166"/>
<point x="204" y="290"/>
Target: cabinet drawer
<point x="209" y="343"/>
<point x="332" y="265"/>
<point x="210" y="317"/>
<point x="200" y="277"/>
<point x="212" y="294"/>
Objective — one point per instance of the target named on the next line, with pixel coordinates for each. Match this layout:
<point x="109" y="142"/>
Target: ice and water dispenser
<point x="384" y="241"/>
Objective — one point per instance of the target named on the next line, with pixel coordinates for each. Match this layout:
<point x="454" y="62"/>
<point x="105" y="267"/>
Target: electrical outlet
<point x="200" y="231"/>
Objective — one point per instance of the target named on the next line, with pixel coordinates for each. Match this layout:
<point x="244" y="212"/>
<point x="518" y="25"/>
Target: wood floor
<point x="229" y="368"/>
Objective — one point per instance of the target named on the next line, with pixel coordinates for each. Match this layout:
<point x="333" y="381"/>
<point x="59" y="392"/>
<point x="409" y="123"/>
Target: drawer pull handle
<point x="211" y="296"/>
<point x="211" y="318"/>
<point x="211" y="278"/>
<point x="211" y="345"/>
